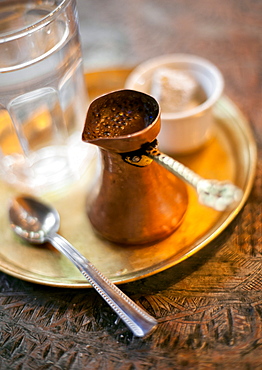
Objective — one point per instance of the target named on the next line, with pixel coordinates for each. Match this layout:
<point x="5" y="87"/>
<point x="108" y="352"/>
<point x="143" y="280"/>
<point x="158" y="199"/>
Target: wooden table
<point x="209" y="307"/>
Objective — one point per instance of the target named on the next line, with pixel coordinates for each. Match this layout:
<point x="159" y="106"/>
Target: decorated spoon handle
<point x="138" y="321"/>
<point x="218" y="195"/>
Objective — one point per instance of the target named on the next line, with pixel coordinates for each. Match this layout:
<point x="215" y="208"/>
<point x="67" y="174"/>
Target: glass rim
<point x="24" y="31"/>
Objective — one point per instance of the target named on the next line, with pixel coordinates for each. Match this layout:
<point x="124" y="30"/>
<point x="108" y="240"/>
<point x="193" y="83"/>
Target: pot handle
<point x="219" y="195"/>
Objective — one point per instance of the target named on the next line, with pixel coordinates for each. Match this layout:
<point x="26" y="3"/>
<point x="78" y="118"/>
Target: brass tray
<point x="231" y="155"/>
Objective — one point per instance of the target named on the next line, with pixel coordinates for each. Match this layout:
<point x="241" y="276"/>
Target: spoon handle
<point x="138" y="321"/>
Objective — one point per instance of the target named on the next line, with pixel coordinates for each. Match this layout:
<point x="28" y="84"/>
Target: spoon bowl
<point x="38" y="223"/>
<point x="33" y="221"/>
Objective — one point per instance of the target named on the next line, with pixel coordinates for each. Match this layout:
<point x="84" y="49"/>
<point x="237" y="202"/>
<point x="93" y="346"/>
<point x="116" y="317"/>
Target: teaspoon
<point x="38" y="223"/>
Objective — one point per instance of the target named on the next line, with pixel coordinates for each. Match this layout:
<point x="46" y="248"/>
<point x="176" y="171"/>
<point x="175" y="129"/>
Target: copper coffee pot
<point x="136" y="201"/>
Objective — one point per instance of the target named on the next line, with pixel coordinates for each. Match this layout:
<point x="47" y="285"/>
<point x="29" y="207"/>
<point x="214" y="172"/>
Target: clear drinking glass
<point x="43" y="99"/>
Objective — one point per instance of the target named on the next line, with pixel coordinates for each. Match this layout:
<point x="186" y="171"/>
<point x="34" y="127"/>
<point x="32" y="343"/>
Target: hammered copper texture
<point x="210" y="306"/>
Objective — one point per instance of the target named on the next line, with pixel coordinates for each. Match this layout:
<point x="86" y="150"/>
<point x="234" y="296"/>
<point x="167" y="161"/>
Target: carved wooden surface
<point x="210" y="306"/>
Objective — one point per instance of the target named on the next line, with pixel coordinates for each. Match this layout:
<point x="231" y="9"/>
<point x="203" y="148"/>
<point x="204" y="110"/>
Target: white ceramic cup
<point x="187" y="130"/>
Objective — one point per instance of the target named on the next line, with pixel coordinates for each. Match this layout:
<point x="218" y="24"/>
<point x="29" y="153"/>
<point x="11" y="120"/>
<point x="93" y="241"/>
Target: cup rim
<point x="188" y="59"/>
<point x="35" y="26"/>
